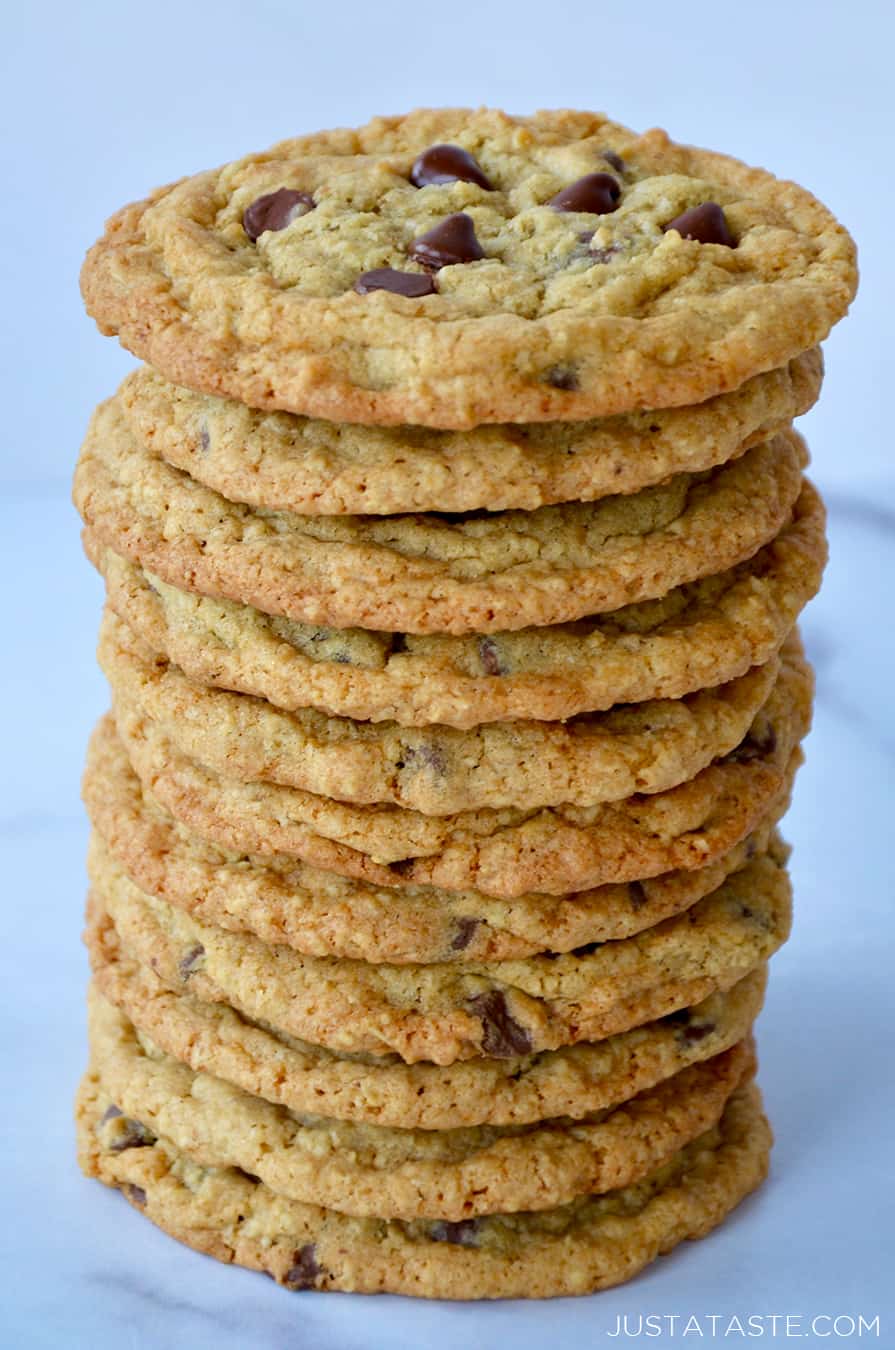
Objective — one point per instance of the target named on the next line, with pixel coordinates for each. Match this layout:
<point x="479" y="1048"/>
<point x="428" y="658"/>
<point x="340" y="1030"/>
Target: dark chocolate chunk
<point x="615" y="161"/>
<point x="447" y="164"/>
<point x="707" y="224"/>
<point x="465" y="928"/>
<point x="411" y="284"/>
<point x="131" y="1134"/>
<point x="596" y="193"/>
<point x="136" y="1194"/>
<point x="463" y="1233"/>
<point x="502" y="1036"/>
<point x="190" y="960"/>
<point x="304" y="1269"/>
<point x="275" y="210"/>
<point x="490" y="657"/>
<point x="563" y="377"/>
<point x="451" y="241"/>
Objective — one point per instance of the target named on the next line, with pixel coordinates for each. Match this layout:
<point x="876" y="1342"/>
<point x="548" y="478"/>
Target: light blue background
<point x="103" y="101"/>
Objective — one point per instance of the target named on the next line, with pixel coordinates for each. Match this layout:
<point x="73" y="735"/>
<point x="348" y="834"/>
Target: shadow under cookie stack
<point x="454" y="539"/>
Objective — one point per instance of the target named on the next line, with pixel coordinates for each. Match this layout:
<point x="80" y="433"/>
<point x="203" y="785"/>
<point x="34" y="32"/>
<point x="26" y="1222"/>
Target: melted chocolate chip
<point x="707" y="224"/>
<point x="490" y="657"/>
<point x="604" y="255"/>
<point x="190" y="960"/>
<point x="411" y="284"/>
<point x="463" y="1233"/>
<point x="275" y="210"/>
<point x="304" y="1269"/>
<point x="131" y="1134"/>
<point x="596" y="194"/>
<point x="136" y="1194"/>
<point x="451" y="241"/>
<point x="637" y="894"/>
<point x="502" y="1036"/>
<point x="447" y="164"/>
<point x="614" y="161"/>
<point x="563" y="377"/>
<point x="463" y="935"/>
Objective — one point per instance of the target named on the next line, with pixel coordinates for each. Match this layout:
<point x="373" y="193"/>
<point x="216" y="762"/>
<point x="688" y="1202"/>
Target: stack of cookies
<point x="454" y="540"/>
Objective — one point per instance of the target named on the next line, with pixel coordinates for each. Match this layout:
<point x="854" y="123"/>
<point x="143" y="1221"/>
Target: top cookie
<point x="561" y="268"/>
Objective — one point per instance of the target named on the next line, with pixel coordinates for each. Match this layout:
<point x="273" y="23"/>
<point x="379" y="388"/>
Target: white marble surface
<point x="84" y="1270"/>
<point x="107" y="99"/>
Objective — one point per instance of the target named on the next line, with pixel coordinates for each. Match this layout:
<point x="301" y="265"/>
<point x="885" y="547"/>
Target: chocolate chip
<point x="615" y="161"/>
<point x="637" y="894"/>
<point x="425" y="756"/>
<point x="463" y="935"/>
<point x="275" y="210"/>
<point x="490" y="657"/>
<point x="756" y="745"/>
<point x="412" y="284"/>
<point x="190" y="960"/>
<point x="502" y="1036"/>
<point x="447" y="164"/>
<point x="131" y="1134"/>
<point x="204" y="439"/>
<point x="707" y="224"/>
<point x="698" y="1031"/>
<point x="604" y="255"/>
<point x="451" y="241"/>
<point x="595" y="193"/>
<point x="110" y="1113"/>
<point x="689" y="1030"/>
<point x="463" y="1233"/>
<point x="136" y="1194"/>
<point x="563" y="377"/>
<point x="304" y="1269"/>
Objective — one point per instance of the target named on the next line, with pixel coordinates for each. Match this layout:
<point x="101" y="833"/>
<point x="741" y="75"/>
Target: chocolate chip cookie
<point x="328" y="278"/>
